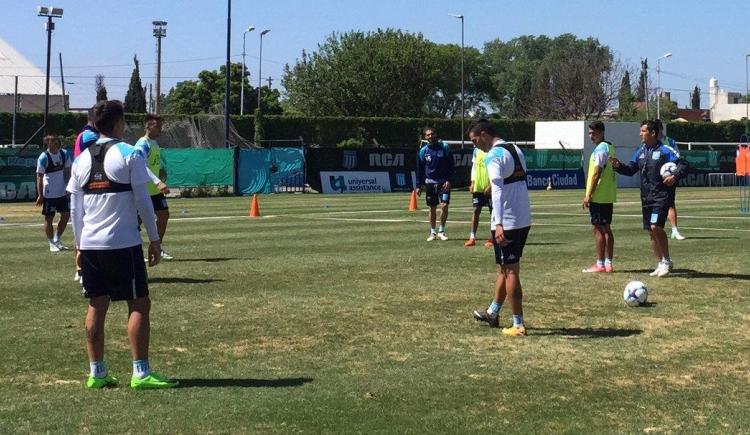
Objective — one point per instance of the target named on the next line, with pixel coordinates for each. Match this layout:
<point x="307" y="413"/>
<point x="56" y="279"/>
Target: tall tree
<point x="695" y="98"/>
<point x="641" y="90"/>
<point x="626" y="98"/>
<point x="101" y="90"/>
<point x="445" y="99"/>
<point x="381" y="73"/>
<point x="135" y="98"/>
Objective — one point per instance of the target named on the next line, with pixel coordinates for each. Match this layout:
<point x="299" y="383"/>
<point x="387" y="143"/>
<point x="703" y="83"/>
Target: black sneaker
<point x="484" y="316"/>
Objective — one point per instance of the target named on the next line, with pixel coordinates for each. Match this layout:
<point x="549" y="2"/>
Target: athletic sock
<point x="518" y="320"/>
<point x="600" y="263"/>
<point x="432" y="230"/>
<point x="472" y="235"/>
<point x="56" y="239"/>
<point x="441" y="229"/>
<point x="494" y="308"/>
<point x="607" y="261"/>
<point x="141" y="368"/>
<point x="98" y="370"/>
<point x="675" y="230"/>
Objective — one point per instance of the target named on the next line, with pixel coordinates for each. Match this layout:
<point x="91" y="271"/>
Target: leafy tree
<point x="695" y="98"/>
<point x="206" y="93"/>
<point x="445" y="100"/>
<point x="626" y="99"/>
<point x="382" y="73"/>
<point x="552" y="78"/>
<point x="641" y="90"/>
<point x="135" y="98"/>
<point x="101" y="90"/>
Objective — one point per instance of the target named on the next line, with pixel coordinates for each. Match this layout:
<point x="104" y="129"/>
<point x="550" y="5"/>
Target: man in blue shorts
<point x="657" y="193"/>
<point x="52" y="173"/>
<point x="435" y="169"/>
<point x="108" y="193"/>
<point x="511" y="221"/>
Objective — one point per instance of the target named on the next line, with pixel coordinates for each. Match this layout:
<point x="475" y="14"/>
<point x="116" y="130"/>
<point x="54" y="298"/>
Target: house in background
<point x="725" y="105"/>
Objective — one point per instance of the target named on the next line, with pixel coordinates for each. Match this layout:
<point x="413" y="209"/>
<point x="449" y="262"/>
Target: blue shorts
<point x="117" y="273"/>
<point x="601" y="213"/>
<point x="159" y="201"/>
<point x="435" y="194"/>
<point x="56" y="205"/>
<point x="479" y="200"/>
<point x="513" y="251"/>
<point x="655" y="215"/>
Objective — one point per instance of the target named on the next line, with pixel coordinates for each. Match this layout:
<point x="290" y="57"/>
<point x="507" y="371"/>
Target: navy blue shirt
<point x="435" y="164"/>
<point x="648" y="162"/>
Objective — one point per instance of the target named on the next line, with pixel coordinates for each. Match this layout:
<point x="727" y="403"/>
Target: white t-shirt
<point x="110" y="220"/>
<point x="510" y="203"/>
<point x="53" y="182"/>
<point x="601" y="154"/>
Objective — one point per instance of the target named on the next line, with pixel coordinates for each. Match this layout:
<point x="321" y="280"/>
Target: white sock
<point x="432" y="230"/>
<point x="675" y="230"/>
<point x="98" y="369"/>
<point x="441" y="229"/>
<point x="141" y="368"/>
<point x="472" y="235"/>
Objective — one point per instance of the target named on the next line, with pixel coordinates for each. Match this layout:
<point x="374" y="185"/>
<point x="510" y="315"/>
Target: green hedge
<point x="725" y="131"/>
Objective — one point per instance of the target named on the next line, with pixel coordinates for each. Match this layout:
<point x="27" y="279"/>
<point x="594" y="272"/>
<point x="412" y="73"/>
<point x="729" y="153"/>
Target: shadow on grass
<point x="244" y="383"/>
<point x="543" y="243"/>
<point x="690" y="273"/>
<point x="179" y="280"/>
<point x="208" y="260"/>
<point x="586" y="332"/>
<point x="711" y="238"/>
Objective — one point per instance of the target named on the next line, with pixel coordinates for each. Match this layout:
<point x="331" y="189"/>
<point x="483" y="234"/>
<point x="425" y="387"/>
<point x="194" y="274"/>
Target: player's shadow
<point x="208" y="260"/>
<point x="243" y="383"/>
<point x="586" y="332"/>
<point x="711" y="238"/>
<point x="181" y="280"/>
<point x="543" y="243"/>
<point x="690" y="273"/>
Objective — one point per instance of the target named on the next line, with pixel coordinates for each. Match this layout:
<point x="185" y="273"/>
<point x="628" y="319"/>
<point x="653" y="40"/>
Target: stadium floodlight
<point x="49" y="12"/>
<point x="461" y="17"/>
<point x="242" y="83"/>
<point x="160" y="31"/>
<point x="747" y="90"/>
<point x="658" y="83"/>
<point x="260" y="63"/>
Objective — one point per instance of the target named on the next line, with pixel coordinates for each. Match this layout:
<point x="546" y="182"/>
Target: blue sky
<point x="100" y="37"/>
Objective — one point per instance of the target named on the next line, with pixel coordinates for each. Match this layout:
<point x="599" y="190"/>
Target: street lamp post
<point x="658" y="84"/>
<point x="242" y="83"/>
<point x="260" y="62"/>
<point x="160" y="31"/>
<point x="747" y="90"/>
<point x="461" y="17"/>
<point x="48" y="12"/>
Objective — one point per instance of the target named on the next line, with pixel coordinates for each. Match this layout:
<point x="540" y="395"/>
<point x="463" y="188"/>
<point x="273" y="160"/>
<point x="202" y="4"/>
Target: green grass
<point x="332" y="314"/>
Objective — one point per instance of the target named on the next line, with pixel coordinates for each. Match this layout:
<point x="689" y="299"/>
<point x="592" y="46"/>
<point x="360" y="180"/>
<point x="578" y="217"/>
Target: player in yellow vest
<point x="601" y="194"/>
<point x="151" y="151"/>
<point x="481" y="194"/>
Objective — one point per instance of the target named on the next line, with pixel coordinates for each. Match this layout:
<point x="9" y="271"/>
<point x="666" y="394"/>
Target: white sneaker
<point x="677" y="236"/>
<point x="61" y="246"/>
<point x="442" y="236"/>
<point x="77" y="276"/>
<point x="656" y="271"/>
<point x="432" y="237"/>
<point x="663" y="269"/>
<point x="165" y="255"/>
<point x="53" y="247"/>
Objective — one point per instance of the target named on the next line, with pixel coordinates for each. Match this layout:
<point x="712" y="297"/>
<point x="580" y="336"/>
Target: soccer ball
<point x="636" y="294"/>
<point x="667" y="169"/>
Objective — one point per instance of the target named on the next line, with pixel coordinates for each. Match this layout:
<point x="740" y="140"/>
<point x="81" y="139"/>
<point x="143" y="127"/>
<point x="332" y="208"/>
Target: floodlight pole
<point x="747" y="90"/>
<point x="242" y="83"/>
<point x="260" y="65"/>
<point x="658" y="84"/>
<point x="160" y="31"/>
<point x="227" y="76"/>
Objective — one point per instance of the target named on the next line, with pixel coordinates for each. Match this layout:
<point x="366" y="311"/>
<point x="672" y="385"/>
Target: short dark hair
<point x="106" y="115"/>
<point x="597" y="126"/>
<point x="152" y="117"/>
<point x="483" y="125"/>
<point x="426" y="129"/>
<point x="50" y="137"/>
<point x="651" y="125"/>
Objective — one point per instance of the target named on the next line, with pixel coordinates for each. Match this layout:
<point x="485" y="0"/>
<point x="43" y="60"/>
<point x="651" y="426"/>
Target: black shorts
<point x="513" y="251"/>
<point x="56" y="205"/>
<point x="479" y="200"/>
<point x="601" y="213"/>
<point x="159" y="201"/>
<point x="655" y="215"/>
<point x="435" y="194"/>
<point x="117" y="273"/>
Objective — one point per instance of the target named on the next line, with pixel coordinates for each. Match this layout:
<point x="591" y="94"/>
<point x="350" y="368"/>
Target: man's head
<point x="91" y="117"/>
<point x="430" y="135"/>
<point x="153" y="123"/>
<point x="596" y="132"/>
<point x="649" y="132"/>
<point x="482" y="134"/>
<point x="52" y="143"/>
<point x="109" y="118"/>
<point x="660" y="126"/>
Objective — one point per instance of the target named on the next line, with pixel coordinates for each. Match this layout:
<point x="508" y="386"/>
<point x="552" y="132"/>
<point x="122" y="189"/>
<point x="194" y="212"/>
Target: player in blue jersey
<point x="435" y="169"/>
<point x="52" y="173"/>
<point x="511" y="221"/>
<point x="657" y="193"/>
<point x="672" y="215"/>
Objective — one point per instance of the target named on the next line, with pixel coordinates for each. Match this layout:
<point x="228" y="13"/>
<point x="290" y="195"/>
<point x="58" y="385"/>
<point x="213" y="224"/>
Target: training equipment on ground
<point x="636" y="294"/>
<point x="254" y="208"/>
<point x="413" y="201"/>
<point x="667" y="169"/>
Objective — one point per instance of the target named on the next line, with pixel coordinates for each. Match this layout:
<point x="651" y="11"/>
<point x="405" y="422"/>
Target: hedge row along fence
<point x="330" y="131"/>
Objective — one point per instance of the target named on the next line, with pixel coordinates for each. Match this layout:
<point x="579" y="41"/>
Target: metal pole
<point x="462" y="83"/>
<point x="658" y="88"/>
<point x="645" y="84"/>
<point x="15" y="111"/>
<point x="747" y="90"/>
<point x="62" y="80"/>
<point x="158" y="73"/>
<point x="242" y="83"/>
<point x="227" y="75"/>
<point x="50" y="26"/>
<point x="260" y="67"/>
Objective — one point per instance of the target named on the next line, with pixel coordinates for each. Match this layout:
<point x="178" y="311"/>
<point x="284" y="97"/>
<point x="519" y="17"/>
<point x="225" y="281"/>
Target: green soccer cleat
<point x="107" y="381"/>
<point x="151" y="382"/>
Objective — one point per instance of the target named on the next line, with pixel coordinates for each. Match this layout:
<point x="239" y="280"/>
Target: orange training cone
<point x="254" y="209"/>
<point x="413" y="201"/>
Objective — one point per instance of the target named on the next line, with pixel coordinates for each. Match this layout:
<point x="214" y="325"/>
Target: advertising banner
<point x="560" y="179"/>
<point x="18" y="174"/>
<point x="355" y="182"/>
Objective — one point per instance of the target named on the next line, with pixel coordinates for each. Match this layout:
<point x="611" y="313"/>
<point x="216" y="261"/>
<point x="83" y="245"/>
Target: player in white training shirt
<point x="52" y="173"/>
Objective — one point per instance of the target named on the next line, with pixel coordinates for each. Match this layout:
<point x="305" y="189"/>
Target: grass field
<point x="332" y="314"/>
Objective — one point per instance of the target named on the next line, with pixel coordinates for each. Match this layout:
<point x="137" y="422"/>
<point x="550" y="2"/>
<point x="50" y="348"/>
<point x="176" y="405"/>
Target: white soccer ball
<point x="636" y="294"/>
<point x="667" y="169"/>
